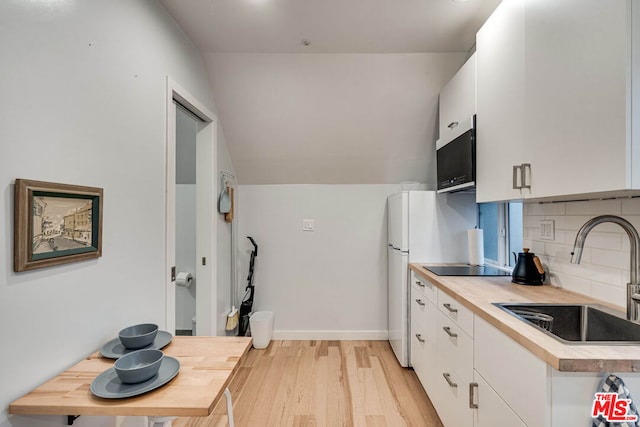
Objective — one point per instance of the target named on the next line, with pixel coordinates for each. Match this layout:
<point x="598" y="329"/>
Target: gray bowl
<point x="138" y="336"/>
<point x="138" y="366"/>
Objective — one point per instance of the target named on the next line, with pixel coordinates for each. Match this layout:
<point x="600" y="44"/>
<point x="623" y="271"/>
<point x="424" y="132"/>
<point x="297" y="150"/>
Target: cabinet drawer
<point x="425" y="287"/>
<point x="453" y="401"/>
<point x="455" y="348"/>
<point x="456" y="312"/>
<point x="424" y="316"/>
<point x="424" y="359"/>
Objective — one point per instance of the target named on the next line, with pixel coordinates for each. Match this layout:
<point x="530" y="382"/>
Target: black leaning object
<point x="247" y="303"/>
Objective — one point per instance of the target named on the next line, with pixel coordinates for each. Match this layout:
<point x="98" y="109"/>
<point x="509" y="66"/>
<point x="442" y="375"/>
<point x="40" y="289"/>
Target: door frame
<point x="205" y="304"/>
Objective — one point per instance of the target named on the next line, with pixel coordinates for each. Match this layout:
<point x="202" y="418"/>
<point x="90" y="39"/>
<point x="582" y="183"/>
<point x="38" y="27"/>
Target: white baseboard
<point x="332" y="335"/>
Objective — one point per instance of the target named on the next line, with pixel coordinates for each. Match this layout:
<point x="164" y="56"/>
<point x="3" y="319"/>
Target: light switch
<point x="308" y="225"/>
<point x="547" y="229"/>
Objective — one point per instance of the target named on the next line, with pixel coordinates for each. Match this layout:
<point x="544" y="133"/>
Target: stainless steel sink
<point x="577" y="324"/>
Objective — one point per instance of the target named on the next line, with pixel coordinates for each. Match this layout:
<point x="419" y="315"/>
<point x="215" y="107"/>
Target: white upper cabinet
<point x="458" y="100"/>
<point x="500" y="92"/>
<point x="555" y="81"/>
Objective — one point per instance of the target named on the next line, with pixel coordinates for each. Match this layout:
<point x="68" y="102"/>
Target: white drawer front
<point x="425" y="287"/>
<point x="453" y="401"/>
<point x="424" y="359"/>
<point x="456" y="348"/>
<point x="456" y="312"/>
<point x="425" y="313"/>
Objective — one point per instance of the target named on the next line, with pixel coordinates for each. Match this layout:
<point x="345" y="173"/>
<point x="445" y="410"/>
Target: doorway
<point x="187" y="125"/>
<point x="190" y="174"/>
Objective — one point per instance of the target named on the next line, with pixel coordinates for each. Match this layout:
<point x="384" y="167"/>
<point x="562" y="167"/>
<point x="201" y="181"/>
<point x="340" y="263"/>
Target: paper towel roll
<point x="184" y="279"/>
<point x="476" y="246"/>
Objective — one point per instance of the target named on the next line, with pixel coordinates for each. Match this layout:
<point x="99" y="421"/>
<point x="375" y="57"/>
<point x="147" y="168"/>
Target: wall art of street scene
<point x="55" y="224"/>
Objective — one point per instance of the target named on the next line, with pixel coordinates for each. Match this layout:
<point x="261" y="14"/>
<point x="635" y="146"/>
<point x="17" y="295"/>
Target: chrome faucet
<point x="633" y="287"/>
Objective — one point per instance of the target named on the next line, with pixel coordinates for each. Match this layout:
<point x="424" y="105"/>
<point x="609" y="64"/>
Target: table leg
<point x="227" y="394"/>
<point x="161" y="421"/>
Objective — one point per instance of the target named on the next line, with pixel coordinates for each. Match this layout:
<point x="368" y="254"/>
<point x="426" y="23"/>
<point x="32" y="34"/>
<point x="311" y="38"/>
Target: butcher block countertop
<point x="479" y="293"/>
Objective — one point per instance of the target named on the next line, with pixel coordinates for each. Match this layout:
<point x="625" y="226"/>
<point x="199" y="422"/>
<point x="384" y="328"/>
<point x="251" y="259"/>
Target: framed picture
<point x="55" y="224"/>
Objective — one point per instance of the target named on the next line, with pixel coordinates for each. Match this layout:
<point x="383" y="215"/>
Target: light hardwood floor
<point x="323" y="383"/>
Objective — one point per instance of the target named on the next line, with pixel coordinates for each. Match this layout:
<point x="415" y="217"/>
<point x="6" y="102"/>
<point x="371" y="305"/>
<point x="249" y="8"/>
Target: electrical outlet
<point x="547" y="229"/>
<point x="308" y="225"/>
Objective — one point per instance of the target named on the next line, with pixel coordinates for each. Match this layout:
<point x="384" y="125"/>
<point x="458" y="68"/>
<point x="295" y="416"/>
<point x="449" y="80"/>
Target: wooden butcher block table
<point x="207" y="365"/>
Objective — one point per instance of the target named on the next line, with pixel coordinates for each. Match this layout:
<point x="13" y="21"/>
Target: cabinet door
<point x="508" y="367"/>
<point x="458" y="100"/>
<point x="453" y="398"/>
<point x="491" y="410"/>
<point x="576" y="96"/>
<point x="500" y="99"/>
<point x="423" y="339"/>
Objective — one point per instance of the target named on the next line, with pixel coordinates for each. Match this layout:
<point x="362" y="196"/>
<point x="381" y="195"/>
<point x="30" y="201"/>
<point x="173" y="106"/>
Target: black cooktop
<point x="465" y="270"/>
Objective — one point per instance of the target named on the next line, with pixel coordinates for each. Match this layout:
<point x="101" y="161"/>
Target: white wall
<point x="604" y="270"/>
<point x="83" y="86"/>
<point x="327" y="284"/>
<point x="331" y="118"/>
<point x="224" y="237"/>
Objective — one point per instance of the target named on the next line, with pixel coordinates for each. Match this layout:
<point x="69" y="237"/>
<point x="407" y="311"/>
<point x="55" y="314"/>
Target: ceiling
<point x="288" y="109"/>
<point x="331" y="26"/>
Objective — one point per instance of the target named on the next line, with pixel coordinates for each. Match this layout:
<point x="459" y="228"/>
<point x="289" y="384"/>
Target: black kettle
<point x="528" y="269"/>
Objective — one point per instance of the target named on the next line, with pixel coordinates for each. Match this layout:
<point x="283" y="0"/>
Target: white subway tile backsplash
<point x="612" y="295"/>
<point x="567" y="237"/>
<point x="537" y="247"/>
<point x="575" y="222"/>
<point x="572" y="222"/>
<point x="572" y="283"/>
<point x="604" y="270"/>
<point x="634" y="220"/>
<point x="594" y="273"/>
<point x="610" y="241"/>
<point x="613" y="259"/>
<point x="544" y="209"/>
<point x="595" y="207"/>
<point x="532" y="221"/>
<point x="562" y="251"/>
<point x="631" y="206"/>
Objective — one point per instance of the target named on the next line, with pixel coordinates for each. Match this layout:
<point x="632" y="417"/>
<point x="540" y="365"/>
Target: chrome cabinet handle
<point x="447" y="329"/>
<point x="523" y="171"/>
<point x="451" y="309"/>
<point x="517" y="168"/>
<point x="419" y="283"/>
<point x="448" y="378"/>
<point x="472" y="387"/>
<point x="419" y="301"/>
<point x="452" y="125"/>
<point x="419" y="337"/>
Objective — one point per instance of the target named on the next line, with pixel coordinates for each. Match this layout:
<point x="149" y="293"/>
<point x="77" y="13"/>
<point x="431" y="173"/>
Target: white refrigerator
<point x="422" y="227"/>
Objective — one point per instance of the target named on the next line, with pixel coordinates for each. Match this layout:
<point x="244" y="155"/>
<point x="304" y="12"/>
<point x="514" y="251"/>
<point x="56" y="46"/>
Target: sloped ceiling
<point x="356" y="105"/>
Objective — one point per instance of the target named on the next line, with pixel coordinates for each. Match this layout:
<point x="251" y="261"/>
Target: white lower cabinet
<point x="423" y="337"/>
<point x="473" y="373"/>
<point x="477" y="376"/>
<point x="489" y="409"/>
<point x="442" y="351"/>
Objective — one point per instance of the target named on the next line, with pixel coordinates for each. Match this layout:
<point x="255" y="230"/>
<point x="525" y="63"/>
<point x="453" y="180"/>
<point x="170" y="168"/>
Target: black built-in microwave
<point x="456" y="159"/>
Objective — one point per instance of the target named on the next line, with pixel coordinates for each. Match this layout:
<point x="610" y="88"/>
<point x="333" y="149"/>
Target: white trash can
<point x="261" y="323"/>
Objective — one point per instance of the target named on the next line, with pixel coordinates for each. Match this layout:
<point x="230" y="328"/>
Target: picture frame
<point x="55" y="224"/>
